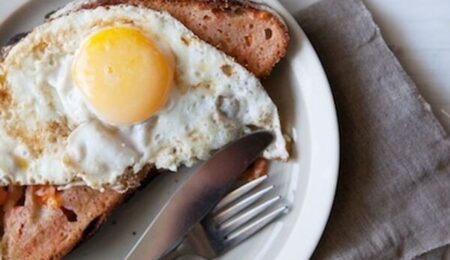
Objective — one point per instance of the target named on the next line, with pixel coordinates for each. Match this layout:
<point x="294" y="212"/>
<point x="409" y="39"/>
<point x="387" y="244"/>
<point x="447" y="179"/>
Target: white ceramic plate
<point x="300" y="89"/>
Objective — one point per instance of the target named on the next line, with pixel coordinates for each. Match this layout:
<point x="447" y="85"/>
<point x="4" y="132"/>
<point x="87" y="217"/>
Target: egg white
<point x="51" y="127"/>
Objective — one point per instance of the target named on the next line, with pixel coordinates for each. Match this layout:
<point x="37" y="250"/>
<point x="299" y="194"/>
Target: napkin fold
<point x="393" y="195"/>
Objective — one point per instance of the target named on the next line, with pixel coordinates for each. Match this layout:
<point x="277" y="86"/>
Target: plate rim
<point x="290" y="248"/>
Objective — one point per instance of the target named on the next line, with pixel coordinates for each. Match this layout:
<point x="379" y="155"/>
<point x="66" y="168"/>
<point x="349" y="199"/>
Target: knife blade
<point x="198" y="195"/>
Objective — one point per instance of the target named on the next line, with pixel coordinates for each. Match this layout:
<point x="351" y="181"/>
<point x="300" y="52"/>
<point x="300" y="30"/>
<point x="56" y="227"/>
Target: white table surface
<point x="418" y="32"/>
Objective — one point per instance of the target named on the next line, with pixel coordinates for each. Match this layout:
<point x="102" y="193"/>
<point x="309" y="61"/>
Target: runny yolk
<point x="124" y="75"/>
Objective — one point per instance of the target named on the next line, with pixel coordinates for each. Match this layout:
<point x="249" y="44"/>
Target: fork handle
<point x="179" y="252"/>
<point x="199" y="241"/>
<point x="194" y="247"/>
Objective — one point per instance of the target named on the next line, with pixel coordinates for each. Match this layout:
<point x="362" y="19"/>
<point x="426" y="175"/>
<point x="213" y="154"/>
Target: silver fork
<point x="238" y="216"/>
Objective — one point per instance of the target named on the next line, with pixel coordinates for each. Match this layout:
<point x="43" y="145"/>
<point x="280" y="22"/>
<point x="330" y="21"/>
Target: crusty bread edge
<point x="212" y="4"/>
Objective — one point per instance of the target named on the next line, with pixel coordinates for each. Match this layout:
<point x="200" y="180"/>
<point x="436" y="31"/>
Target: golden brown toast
<point x="254" y="37"/>
<point x="33" y="230"/>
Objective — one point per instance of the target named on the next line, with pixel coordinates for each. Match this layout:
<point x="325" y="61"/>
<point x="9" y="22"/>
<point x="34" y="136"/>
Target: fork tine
<point x="238" y="192"/>
<point x="238" y="217"/>
<point x="244" y="217"/>
<point x="226" y="214"/>
<point x="247" y="231"/>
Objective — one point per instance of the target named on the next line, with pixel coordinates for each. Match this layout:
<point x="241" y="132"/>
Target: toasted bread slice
<point x="33" y="230"/>
<point x="255" y="38"/>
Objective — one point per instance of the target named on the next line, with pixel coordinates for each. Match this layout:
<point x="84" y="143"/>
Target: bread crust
<point x="36" y="231"/>
<point x="256" y="38"/>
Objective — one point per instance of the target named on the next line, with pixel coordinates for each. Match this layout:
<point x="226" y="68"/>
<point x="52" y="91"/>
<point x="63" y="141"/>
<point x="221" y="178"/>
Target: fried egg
<point x="93" y="96"/>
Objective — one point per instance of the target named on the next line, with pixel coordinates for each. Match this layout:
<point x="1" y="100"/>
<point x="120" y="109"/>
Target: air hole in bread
<point x="70" y="214"/>
<point x="248" y="40"/>
<point x="206" y="17"/>
<point x="268" y="33"/>
<point x="20" y="230"/>
<point x="20" y="202"/>
<point x="251" y="26"/>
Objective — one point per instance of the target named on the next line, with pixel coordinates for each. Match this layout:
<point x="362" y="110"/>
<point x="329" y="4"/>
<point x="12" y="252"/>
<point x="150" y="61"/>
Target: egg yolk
<point x="124" y="75"/>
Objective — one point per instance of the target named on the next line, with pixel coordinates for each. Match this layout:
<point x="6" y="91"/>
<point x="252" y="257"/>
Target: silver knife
<point x="198" y="195"/>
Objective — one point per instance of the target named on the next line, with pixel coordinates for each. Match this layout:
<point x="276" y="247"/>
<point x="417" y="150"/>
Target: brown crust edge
<point x="221" y="7"/>
<point x="95" y="221"/>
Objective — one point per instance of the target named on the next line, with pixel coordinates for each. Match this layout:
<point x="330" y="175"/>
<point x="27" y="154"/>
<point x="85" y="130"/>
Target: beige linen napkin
<point x="393" y="196"/>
